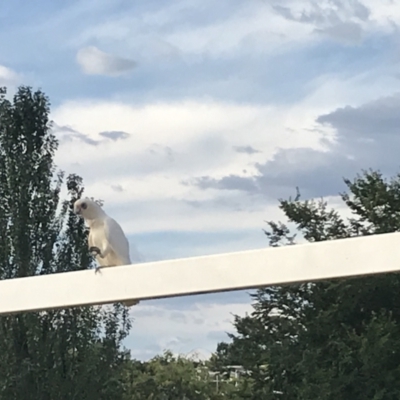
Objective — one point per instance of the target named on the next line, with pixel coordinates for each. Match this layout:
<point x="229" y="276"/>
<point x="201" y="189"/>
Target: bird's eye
<point x="84" y="206"/>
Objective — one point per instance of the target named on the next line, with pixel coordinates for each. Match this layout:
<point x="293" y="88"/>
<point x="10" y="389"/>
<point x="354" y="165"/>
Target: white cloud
<point x="182" y="30"/>
<point x="192" y="129"/>
<point x="244" y="30"/>
<point x="343" y="20"/>
<point x="183" y="331"/>
<point x="8" y="77"/>
<point x="96" y="62"/>
<point x="140" y="175"/>
<point x="170" y="143"/>
<point x="383" y="13"/>
<point x="178" y="30"/>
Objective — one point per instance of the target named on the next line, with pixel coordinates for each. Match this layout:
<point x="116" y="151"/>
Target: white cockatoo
<point x="107" y="241"/>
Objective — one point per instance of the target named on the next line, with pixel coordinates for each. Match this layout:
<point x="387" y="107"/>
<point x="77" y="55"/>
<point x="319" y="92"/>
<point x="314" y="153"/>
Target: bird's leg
<point x="97" y="268"/>
<point x="95" y="251"/>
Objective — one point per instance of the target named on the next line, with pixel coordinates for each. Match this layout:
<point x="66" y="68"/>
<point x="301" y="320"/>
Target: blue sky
<point x="190" y="118"/>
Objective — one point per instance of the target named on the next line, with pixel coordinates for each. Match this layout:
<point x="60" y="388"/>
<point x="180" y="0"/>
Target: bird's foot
<point x="94" y="251"/>
<point x="97" y="268"/>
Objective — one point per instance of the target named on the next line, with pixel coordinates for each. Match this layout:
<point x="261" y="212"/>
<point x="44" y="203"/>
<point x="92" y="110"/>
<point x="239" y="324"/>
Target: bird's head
<point x="87" y="208"/>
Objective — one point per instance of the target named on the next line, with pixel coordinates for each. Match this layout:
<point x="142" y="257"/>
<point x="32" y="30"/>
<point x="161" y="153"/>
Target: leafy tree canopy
<point x="336" y="339"/>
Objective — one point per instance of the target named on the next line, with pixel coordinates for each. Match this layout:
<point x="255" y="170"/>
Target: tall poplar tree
<point x="74" y="353"/>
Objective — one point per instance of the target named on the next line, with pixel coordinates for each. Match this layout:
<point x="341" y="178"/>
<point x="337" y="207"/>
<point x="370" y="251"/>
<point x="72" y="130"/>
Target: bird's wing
<point x="117" y="240"/>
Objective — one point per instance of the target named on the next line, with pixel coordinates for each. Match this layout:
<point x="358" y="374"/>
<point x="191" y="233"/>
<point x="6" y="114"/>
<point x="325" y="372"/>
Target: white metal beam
<point x="207" y="274"/>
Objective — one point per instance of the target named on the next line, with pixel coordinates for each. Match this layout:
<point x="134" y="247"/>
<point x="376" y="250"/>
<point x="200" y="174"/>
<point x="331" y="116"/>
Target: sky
<point x="191" y="118"/>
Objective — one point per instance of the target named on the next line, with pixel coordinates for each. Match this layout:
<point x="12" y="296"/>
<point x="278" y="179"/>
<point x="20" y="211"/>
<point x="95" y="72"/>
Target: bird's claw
<point x="95" y="251"/>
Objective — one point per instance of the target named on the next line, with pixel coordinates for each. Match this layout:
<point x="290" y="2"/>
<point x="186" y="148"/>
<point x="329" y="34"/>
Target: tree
<point x="169" y="377"/>
<point x="69" y="354"/>
<point x="332" y="339"/>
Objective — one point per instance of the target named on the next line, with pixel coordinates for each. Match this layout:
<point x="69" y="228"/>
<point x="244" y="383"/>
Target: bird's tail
<point x="130" y="303"/>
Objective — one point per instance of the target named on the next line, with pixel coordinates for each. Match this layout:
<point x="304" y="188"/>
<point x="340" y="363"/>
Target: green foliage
<point x="336" y="339"/>
<point x="168" y="377"/>
<point x="62" y="354"/>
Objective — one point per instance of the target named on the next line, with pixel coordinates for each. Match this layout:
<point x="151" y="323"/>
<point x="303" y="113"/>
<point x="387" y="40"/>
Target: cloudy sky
<point x="189" y="118"/>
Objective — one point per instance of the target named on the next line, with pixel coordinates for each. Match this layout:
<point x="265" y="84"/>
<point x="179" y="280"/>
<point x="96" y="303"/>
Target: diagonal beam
<point x="207" y="274"/>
